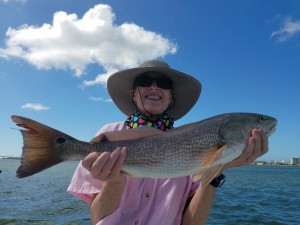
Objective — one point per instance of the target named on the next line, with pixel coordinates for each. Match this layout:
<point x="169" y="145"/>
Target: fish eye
<point x="261" y="119"/>
<point x="60" y="140"/>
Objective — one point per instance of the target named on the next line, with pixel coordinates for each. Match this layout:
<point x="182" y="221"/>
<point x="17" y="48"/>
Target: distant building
<point x="295" y="161"/>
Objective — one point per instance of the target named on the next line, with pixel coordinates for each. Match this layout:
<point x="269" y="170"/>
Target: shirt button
<point x="147" y="194"/>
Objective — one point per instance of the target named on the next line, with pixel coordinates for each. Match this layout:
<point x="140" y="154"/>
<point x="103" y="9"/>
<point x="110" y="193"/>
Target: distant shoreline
<point x="9" y="157"/>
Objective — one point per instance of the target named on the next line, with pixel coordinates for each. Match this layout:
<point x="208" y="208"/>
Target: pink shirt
<point x="144" y="201"/>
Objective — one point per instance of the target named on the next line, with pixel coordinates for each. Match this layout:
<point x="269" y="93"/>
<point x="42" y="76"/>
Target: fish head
<point x="237" y="127"/>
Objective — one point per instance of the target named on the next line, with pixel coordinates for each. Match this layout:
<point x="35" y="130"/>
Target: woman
<point x="151" y="95"/>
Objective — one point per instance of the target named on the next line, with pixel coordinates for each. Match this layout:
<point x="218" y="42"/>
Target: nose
<point x="153" y="85"/>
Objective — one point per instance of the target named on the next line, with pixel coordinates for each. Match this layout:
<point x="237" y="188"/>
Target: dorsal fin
<point x="132" y="134"/>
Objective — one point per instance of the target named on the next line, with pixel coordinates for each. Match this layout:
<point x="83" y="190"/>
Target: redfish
<point x="200" y="148"/>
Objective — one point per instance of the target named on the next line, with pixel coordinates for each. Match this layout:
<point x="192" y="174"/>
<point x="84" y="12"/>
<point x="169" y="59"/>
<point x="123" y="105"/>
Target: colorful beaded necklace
<point x="162" y="122"/>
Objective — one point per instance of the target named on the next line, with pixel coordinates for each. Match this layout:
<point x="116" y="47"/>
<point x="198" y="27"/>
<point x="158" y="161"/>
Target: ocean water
<point x="266" y="195"/>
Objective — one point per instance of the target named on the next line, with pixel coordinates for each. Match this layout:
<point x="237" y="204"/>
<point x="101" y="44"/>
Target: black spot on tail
<point x="60" y="140"/>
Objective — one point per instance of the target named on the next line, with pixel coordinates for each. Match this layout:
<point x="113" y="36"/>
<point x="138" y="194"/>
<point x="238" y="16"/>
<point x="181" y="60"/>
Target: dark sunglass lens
<point x="164" y="83"/>
<point x="143" y="81"/>
<point x="147" y="81"/>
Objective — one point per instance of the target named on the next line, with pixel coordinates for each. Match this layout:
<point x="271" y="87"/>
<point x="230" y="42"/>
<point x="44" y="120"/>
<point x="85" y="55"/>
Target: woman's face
<point x="151" y="99"/>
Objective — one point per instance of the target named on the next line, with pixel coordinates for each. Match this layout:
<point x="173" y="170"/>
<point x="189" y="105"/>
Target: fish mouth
<point x="271" y="131"/>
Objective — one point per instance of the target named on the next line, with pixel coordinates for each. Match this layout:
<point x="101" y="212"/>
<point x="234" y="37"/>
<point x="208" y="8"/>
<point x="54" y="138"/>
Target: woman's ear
<point x="132" y="95"/>
<point x="170" y="97"/>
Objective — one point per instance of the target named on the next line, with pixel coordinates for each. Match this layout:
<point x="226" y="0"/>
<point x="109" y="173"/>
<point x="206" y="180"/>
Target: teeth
<point x="153" y="97"/>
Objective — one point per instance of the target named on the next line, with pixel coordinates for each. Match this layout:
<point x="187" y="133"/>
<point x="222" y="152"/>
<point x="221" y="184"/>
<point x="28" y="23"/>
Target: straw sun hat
<point x="186" y="89"/>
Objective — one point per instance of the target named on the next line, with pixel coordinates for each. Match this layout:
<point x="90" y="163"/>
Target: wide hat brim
<point x="186" y="89"/>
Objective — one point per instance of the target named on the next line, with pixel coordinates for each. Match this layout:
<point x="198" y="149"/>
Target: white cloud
<point x="288" y="29"/>
<point x="35" y="106"/>
<point x="100" y="99"/>
<point x="6" y="1"/>
<point x="73" y="43"/>
<point x="100" y="79"/>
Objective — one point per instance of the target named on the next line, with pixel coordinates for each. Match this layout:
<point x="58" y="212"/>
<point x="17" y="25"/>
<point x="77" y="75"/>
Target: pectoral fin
<point x="208" y="174"/>
<point x="213" y="157"/>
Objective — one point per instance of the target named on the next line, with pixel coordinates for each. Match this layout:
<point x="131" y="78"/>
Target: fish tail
<point x="39" y="150"/>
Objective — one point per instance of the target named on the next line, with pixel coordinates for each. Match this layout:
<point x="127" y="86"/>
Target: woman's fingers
<point x="257" y="146"/>
<point x="88" y="161"/>
<point x="119" y="162"/>
<point x="106" y="165"/>
<point x="105" y="162"/>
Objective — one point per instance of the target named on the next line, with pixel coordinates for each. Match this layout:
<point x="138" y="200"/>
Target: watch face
<point x="218" y="181"/>
<point x="221" y="182"/>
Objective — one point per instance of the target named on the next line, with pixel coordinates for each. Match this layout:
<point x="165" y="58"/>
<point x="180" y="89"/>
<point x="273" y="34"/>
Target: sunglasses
<point x="144" y="80"/>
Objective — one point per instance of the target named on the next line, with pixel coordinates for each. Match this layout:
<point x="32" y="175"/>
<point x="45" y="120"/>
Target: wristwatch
<point x="218" y="181"/>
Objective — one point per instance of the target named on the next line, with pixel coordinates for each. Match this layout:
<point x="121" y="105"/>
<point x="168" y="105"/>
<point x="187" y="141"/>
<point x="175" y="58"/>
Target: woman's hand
<point x="257" y="146"/>
<point x="106" y="166"/>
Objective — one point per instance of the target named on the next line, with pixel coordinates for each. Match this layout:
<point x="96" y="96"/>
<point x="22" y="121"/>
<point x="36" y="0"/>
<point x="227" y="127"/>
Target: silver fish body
<point x="186" y="150"/>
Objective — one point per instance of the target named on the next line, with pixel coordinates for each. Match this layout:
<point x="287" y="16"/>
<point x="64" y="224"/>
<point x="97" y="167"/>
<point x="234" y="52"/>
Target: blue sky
<point x="55" y="57"/>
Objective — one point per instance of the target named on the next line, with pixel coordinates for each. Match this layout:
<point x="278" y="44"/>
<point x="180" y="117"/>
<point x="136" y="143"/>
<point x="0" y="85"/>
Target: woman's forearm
<point x="106" y="201"/>
<point x="200" y="206"/>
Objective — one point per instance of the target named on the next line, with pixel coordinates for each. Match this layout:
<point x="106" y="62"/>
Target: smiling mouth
<point x="153" y="97"/>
